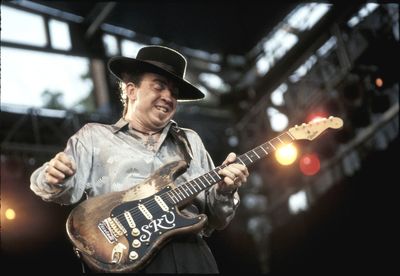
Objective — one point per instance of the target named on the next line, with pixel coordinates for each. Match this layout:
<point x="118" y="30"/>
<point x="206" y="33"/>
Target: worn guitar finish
<point x="122" y="231"/>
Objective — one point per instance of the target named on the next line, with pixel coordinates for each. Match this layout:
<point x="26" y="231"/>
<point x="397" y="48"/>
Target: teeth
<point x="162" y="108"/>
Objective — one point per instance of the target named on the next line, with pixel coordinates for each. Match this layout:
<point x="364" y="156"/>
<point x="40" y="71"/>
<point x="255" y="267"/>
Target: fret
<point x="263" y="150"/>
<point x="217" y="176"/>
<point x="174" y="190"/>
<point x="183" y="188"/>
<point x="211" y="177"/>
<point x="206" y="180"/>
<point x="252" y="155"/>
<point x="271" y="145"/>
<point x="193" y="185"/>
<point x="188" y="187"/>
<point x="240" y="160"/>
<point x="251" y="161"/>
<point x="171" y="199"/>
<point x="202" y="183"/>
<point x="194" y="180"/>
<point x="287" y="137"/>
<point x="267" y="148"/>
<point x="174" y="198"/>
<point x="256" y="153"/>
<point x="260" y="152"/>
<point x="290" y="135"/>
<point x="276" y="143"/>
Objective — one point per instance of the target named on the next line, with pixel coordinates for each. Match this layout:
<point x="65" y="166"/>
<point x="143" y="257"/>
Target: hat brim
<point x="119" y="65"/>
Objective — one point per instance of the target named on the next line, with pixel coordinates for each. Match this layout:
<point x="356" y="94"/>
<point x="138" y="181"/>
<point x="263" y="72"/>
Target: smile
<point x="162" y="108"/>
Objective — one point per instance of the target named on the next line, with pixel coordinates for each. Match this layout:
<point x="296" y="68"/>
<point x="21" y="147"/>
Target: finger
<point x="236" y="172"/>
<point x="240" y="170"/>
<point x="54" y="173"/>
<point x="226" y="188"/>
<point x="60" y="166"/>
<point x="65" y="159"/>
<point x="230" y="158"/>
<point x="240" y="181"/>
<point x="229" y="181"/>
<point x="235" y="169"/>
<point x="227" y="173"/>
<point x="50" y="179"/>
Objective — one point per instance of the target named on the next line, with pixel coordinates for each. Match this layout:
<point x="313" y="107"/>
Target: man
<point x="100" y="159"/>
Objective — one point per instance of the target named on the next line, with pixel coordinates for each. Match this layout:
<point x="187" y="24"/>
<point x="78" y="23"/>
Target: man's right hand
<point x="59" y="168"/>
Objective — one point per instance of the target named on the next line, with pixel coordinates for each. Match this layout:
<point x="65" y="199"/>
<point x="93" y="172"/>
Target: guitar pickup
<point x="161" y="203"/>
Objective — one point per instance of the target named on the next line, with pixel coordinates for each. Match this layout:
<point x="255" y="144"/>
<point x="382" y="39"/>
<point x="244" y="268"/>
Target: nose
<point x="169" y="94"/>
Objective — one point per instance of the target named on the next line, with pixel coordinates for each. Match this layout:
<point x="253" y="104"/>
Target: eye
<point x="158" y="86"/>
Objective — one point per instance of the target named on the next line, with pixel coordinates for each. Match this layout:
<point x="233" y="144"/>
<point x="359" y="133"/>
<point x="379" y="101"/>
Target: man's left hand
<point x="234" y="175"/>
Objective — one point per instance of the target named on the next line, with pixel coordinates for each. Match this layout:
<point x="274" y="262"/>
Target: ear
<point x="131" y="91"/>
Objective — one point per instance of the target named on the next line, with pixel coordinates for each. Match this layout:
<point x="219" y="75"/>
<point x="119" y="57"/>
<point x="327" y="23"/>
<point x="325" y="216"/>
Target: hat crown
<point x="164" y="57"/>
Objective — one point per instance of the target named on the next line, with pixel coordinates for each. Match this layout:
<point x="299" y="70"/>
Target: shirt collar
<point x="123" y="124"/>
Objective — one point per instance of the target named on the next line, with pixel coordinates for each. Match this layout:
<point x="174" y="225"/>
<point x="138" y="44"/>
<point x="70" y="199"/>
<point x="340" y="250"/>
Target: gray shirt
<point x="109" y="158"/>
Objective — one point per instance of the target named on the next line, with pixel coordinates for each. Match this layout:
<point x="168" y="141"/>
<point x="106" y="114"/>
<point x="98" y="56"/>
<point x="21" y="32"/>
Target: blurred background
<point x="319" y="206"/>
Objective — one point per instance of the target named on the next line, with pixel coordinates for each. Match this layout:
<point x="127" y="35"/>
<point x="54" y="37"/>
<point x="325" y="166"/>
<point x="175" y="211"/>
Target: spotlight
<point x="309" y="164"/>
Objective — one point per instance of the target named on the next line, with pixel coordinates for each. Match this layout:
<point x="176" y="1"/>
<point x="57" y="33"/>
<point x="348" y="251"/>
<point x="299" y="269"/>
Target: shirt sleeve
<point x="78" y="148"/>
<point x="219" y="208"/>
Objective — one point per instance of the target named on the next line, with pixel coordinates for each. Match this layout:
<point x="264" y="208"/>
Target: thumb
<point x="230" y="158"/>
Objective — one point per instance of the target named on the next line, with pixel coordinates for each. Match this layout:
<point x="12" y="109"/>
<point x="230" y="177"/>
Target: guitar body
<point x="122" y="231"/>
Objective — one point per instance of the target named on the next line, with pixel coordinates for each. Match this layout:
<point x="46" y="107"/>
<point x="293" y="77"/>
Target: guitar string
<point x="154" y="205"/>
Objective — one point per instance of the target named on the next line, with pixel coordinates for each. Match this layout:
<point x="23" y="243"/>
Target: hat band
<point x="164" y="66"/>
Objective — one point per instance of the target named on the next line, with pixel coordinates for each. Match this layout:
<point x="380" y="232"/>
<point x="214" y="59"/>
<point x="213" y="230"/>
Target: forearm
<point x="220" y="209"/>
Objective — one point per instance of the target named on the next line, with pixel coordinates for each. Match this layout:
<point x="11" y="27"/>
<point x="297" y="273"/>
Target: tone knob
<point x="133" y="255"/>
<point x="135" y="232"/>
<point x="136" y="243"/>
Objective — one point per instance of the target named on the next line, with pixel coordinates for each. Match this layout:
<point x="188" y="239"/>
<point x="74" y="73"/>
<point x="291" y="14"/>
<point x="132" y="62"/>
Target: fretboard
<point x="190" y="189"/>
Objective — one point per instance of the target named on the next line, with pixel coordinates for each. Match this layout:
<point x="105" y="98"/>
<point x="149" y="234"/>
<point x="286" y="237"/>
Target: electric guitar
<point x="122" y="231"/>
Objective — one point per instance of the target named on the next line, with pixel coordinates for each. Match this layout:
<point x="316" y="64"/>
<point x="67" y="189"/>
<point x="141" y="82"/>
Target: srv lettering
<point x="167" y="221"/>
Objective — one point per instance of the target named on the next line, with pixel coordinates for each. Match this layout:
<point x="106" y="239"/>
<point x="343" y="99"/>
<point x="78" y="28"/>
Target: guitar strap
<point x="181" y="139"/>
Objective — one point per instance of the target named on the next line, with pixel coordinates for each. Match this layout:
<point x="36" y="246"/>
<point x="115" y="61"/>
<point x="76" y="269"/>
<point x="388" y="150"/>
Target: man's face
<point x="155" y="101"/>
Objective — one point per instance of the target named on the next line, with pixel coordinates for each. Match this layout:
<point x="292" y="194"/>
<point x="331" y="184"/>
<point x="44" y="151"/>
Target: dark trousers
<point x="183" y="254"/>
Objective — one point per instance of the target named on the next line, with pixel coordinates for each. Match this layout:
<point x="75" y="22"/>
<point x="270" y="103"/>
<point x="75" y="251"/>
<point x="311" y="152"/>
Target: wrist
<point x="225" y="192"/>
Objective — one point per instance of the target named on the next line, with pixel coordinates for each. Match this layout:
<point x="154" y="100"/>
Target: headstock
<point x="311" y="130"/>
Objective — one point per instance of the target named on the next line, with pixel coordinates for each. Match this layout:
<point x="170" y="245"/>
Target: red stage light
<point x="316" y="116"/>
<point x="309" y="164"/>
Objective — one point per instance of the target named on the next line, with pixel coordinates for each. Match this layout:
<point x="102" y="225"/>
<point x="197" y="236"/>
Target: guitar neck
<point x="192" y="188"/>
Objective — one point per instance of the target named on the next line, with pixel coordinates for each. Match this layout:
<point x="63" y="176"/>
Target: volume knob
<point x="133" y="255"/>
<point x="136" y="243"/>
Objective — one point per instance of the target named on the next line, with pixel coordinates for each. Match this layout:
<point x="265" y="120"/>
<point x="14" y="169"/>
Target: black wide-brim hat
<point x="160" y="60"/>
